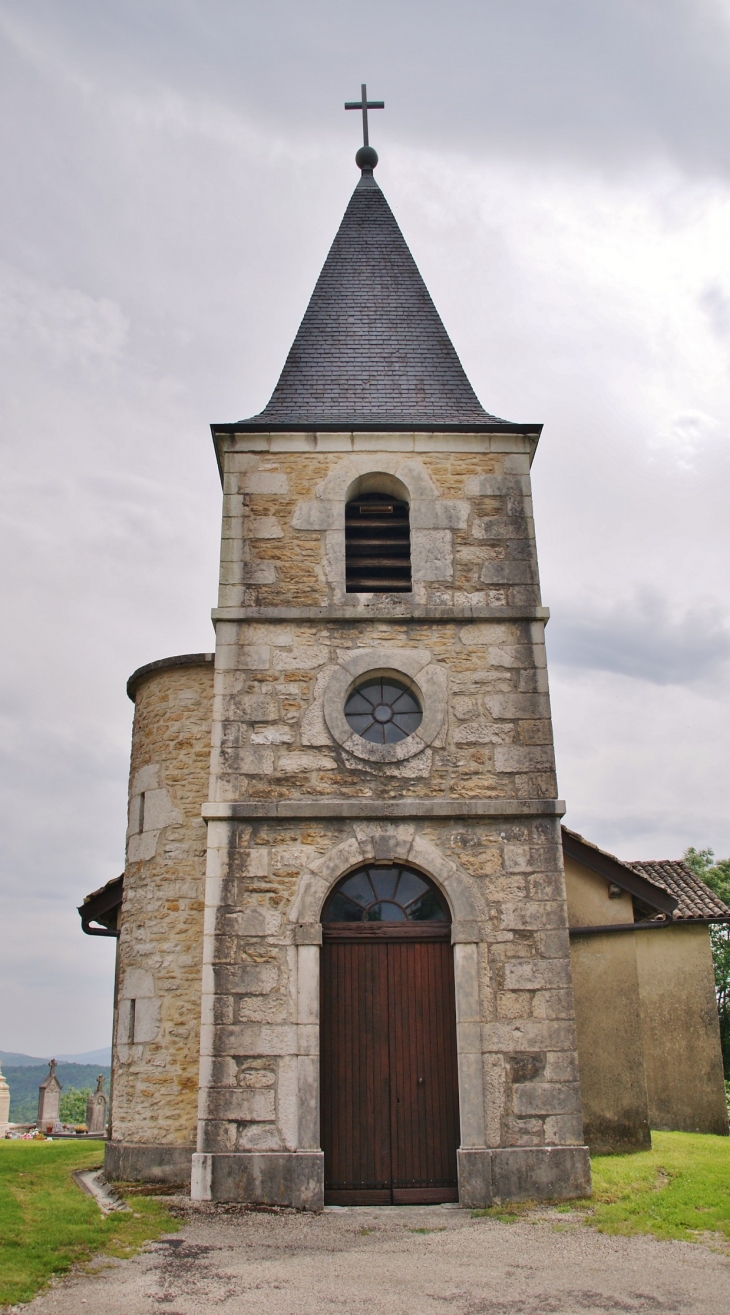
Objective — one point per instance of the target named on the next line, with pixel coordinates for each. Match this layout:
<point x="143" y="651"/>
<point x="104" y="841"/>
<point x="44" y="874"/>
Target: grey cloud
<point x="611" y="83"/>
<point x="174" y="173"/>
<point x="642" y="638"/>
<point x="716" y="304"/>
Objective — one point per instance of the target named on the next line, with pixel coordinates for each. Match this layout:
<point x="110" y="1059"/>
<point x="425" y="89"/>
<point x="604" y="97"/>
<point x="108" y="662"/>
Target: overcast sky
<point x="173" y="174"/>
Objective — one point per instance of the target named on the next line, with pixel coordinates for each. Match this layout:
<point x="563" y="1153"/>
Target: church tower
<point x="387" y="1010"/>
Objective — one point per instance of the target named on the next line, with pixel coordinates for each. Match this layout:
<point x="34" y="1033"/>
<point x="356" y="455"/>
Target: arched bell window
<point x="377" y="545"/>
<point x="383" y="892"/>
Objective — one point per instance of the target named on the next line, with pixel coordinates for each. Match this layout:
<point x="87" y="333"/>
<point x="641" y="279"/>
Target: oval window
<point x="383" y="710"/>
<point x="385" y="893"/>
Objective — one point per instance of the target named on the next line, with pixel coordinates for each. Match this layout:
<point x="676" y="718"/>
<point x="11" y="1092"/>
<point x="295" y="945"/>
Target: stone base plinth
<point x="294" y="1178"/>
<point x="129" y="1163"/>
<point x="517" y="1173"/>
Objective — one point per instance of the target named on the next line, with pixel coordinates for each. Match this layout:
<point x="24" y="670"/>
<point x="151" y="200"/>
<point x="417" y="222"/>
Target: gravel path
<point x="403" y="1261"/>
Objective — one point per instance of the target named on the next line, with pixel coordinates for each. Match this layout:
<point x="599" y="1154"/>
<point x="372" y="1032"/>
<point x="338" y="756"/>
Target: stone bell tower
<point x="381" y="708"/>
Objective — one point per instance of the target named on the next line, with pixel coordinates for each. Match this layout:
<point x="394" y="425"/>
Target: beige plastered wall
<point x="646" y="1017"/>
<point x="608" y="1017"/>
<point x="680" y="1029"/>
<point x="155" y="1074"/>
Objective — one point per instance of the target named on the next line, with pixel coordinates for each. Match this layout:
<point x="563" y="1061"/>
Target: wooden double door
<point x="390" y="1105"/>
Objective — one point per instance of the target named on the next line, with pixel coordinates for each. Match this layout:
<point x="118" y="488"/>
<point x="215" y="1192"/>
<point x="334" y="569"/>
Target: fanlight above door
<point x="385" y="893"/>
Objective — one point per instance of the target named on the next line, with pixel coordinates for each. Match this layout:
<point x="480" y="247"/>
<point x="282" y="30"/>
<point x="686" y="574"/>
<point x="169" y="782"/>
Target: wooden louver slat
<point x="377" y="545"/>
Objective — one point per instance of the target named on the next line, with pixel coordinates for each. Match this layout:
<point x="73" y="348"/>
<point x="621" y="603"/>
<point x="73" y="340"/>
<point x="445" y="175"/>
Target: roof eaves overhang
<point x="612" y="869"/>
<point x="163" y="664"/>
<point x="100" y="905"/>
<point x="656" y="924"/>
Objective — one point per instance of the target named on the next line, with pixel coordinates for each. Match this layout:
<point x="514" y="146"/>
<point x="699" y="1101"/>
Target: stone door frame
<point x="397" y="842"/>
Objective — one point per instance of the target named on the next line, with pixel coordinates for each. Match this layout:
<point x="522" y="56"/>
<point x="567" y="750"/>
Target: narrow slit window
<point x="377" y="545"/>
<point x="131" y="1020"/>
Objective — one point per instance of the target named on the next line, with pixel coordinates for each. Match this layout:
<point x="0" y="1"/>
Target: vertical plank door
<point x="423" y="1082"/>
<point x="390" y="1114"/>
<point x="355" y="1076"/>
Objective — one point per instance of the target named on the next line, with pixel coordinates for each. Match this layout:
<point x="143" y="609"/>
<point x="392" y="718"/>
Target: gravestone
<point x="49" y="1100"/>
<point x="4" y="1105"/>
<point x="96" y="1108"/>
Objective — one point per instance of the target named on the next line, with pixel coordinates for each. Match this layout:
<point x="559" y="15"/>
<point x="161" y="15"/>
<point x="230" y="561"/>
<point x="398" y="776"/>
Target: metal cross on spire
<point x="364" y="104"/>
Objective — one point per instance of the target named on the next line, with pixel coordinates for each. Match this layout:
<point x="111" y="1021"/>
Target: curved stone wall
<point x="157" y="1023"/>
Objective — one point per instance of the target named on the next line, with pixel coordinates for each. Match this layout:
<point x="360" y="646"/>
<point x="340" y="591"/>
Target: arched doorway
<point x="390" y="1110"/>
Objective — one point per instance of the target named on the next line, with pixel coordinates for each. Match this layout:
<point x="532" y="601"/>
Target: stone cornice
<point x="494" y="437"/>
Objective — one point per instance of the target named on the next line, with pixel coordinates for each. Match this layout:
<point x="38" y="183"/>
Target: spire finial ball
<point x="366" y="158"/>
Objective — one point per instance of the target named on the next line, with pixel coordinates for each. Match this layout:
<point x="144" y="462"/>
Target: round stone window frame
<point x="416" y="671"/>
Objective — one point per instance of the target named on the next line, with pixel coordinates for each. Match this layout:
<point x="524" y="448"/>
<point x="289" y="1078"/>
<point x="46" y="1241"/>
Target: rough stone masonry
<point x="296" y="799"/>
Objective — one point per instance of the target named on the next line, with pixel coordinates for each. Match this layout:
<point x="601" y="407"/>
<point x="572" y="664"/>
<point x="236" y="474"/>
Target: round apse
<point x="383" y="710"/>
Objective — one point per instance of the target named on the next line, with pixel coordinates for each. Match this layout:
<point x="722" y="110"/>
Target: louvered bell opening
<point x="377" y="545"/>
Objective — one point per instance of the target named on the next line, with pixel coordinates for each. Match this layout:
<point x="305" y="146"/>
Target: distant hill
<point x="25" y="1079"/>
<point x="103" y="1056"/>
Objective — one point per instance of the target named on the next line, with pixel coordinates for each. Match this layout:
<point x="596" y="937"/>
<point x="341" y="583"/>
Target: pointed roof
<point x="371" y="350"/>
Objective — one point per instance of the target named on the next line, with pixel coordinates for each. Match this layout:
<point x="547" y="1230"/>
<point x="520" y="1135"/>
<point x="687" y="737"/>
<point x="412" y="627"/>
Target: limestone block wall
<point x="296" y="799"/>
<point x="281" y="685"/>
<point x="515" y="1013"/>
<point x="157" y="1024"/>
<point x="472" y="532"/>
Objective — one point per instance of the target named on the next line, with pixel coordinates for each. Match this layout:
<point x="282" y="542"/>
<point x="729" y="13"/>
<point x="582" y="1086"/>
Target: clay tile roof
<point x="371" y="349"/>
<point x="695" y="899"/>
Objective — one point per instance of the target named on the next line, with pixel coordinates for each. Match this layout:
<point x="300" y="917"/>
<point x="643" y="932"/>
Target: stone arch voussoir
<point x="382" y="841"/>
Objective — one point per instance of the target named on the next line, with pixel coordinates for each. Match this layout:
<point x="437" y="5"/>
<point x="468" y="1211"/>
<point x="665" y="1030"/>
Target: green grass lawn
<point x="47" y="1224"/>
<point x="678" y="1189"/>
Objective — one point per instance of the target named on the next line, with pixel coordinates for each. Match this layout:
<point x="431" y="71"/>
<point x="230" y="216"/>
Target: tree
<point x="73" y="1104"/>
<point x="717" y="876"/>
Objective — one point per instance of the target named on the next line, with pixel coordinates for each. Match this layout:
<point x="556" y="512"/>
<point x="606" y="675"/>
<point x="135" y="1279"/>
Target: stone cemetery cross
<point x="49" y="1099"/>
<point x="364" y="104"/>
<point x="96" y="1108"/>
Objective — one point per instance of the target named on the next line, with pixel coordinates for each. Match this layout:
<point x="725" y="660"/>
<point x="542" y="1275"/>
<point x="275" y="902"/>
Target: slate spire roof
<point x="371" y="349"/>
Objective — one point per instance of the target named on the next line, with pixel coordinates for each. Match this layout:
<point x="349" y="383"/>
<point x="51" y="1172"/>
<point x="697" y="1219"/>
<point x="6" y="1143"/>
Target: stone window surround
<point x="433" y="518"/>
<point x="412" y="667"/>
